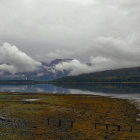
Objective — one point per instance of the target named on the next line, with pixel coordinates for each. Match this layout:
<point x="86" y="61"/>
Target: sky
<point x="104" y="33"/>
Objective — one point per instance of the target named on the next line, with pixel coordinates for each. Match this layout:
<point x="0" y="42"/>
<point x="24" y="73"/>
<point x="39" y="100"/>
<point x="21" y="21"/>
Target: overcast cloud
<point x="13" y="60"/>
<point x="104" y="33"/>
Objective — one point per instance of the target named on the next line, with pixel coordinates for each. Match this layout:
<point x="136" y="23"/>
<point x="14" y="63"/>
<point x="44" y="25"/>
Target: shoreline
<point x="66" y="116"/>
<point x="129" y="100"/>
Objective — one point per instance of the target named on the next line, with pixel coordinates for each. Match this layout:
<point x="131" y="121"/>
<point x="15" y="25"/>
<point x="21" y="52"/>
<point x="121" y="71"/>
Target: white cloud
<point x="75" y="67"/>
<point x="80" y="29"/>
<point x="97" y="63"/>
<point x="106" y="53"/>
<point x="13" y="60"/>
<point x="40" y="74"/>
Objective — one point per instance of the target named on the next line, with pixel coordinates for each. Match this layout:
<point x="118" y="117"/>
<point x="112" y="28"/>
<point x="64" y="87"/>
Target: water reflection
<point x="126" y="91"/>
<point x="131" y="91"/>
<point x="44" y="88"/>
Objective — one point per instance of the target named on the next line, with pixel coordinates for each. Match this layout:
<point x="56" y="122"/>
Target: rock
<point x="2" y="118"/>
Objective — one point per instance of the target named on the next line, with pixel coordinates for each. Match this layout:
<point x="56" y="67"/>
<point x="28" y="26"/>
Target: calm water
<point x="129" y="91"/>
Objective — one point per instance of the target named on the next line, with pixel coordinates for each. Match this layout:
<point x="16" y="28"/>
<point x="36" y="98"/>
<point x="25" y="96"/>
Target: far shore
<point x="33" y="82"/>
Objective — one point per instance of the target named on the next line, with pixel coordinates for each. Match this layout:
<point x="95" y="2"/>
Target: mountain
<point x="57" y="61"/>
<point x="119" y="75"/>
<point x="45" y="72"/>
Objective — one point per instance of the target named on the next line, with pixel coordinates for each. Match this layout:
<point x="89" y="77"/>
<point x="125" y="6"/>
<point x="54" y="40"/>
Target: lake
<point x="127" y="91"/>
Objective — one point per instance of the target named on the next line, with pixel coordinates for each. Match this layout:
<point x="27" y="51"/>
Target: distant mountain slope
<point x="45" y="72"/>
<point x="119" y="75"/>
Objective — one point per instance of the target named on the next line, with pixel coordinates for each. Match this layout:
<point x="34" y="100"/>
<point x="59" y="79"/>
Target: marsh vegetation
<point x="66" y="117"/>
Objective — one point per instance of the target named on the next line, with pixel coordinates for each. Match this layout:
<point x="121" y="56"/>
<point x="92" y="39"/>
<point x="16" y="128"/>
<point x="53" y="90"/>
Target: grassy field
<point x="67" y="117"/>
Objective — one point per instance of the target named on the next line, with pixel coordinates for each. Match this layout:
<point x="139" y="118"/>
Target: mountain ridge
<point x="118" y="75"/>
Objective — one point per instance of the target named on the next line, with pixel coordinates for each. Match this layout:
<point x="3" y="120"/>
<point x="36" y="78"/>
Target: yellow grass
<point x="81" y="110"/>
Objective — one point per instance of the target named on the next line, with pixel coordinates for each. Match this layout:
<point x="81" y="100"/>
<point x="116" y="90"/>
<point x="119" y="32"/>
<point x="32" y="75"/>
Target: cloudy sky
<point x="104" y="33"/>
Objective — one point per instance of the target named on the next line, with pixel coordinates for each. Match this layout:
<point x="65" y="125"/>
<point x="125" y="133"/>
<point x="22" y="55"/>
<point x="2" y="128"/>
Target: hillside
<point x="119" y="75"/>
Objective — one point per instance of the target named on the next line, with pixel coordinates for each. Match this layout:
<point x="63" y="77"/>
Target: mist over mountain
<point x="45" y="72"/>
<point x="123" y="75"/>
<point x="18" y="65"/>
